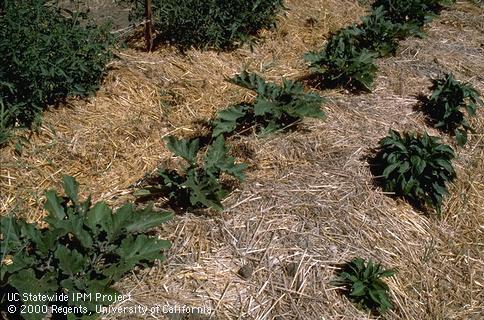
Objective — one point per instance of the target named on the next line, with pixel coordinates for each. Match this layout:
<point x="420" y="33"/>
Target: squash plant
<point x="379" y="34"/>
<point x="348" y="57"/>
<point x="211" y="23"/>
<point x="417" y="167"/>
<point x="444" y="107"/>
<point x="274" y="108"/>
<point x="47" y="54"/>
<point x="363" y="284"/>
<point x="412" y="12"/>
<point x="84" y="249"/>
<point x="198" y="184"/>
<point x="343" y="61"/>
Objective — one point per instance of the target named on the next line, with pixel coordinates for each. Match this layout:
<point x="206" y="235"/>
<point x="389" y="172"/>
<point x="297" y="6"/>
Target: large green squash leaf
<point x="26" y="282"/>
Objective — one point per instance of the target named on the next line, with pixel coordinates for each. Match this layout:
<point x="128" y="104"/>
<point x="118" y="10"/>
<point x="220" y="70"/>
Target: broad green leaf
<point x="362" y="280"/>
<point x="249" y="81"/>
<point x="70" y="261"/>
<point x="445" y="164"/>
<point x="471" y="108"/>
<point x="136" y="251"/>
<point x="374" y="295"/>
<point x="201" y="191"/>
<point x="218" y="160"/>
<point x="217" y="155"/>
<point x="441" y="190"/>
<point x="11" y="230"/>
<point x="404" y="166"/>
<point x="421" y="166"/>
<point x="425" y="161"/>
<point x="449" y="96"/>
<point x="445" y="149"/>
<point x="389" y="169"/>
<point x="273" y="102"/>
<point x="26" y="282"/>
<point x="199" y="195"/>
<point x="310" y="110"/>
<point x="142" y="247"/>
<point x="409" y="186"/>
<point x="74" y="225"/>
<point x="226" y="120"/>
<point x="387" y="273"/>
<point x="44" y="241"/>
<point x="263" y="107"/>
<point x="53" y="206"/>
<point x="359" y="264"/>
<point x="187" y="149"/>
<point x="313" y="58"/>
<point x="71" y="188"/>
<point x="122" y="218"/>
<point x="100" y="215"/>
<point x="358" y="289"/>
<point x="147" y="219"/>
<point x="379" y="284"/>
<point x="399" y="145"/>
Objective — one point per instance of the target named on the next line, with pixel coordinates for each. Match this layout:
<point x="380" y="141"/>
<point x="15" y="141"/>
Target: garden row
<point x="86" y="247"/>
<point x="349" y="56"/>
<point x="49" y="53"/>
<point x="412" y="165"/>
<point x="415" y="166"/>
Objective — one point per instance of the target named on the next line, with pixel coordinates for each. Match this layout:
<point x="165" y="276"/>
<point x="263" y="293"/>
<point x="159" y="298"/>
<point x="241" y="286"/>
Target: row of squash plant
<point x="415" y="166"/>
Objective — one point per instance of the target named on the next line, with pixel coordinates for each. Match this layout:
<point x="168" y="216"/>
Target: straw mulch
<point x="308" y="204"/>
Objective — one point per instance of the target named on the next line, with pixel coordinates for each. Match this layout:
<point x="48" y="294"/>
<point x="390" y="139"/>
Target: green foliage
<point x="47" y="54"/>
<point x="412" y="12"/>
<point x="84" y="249"/>
<point x="416" y="167"/>
<point x="274" y="108"/>
<point x="198" y="184"/>
<point x="210" y="23"/>
<point x="364" y="286"/>
<point x="348" y="57"/>
<point x="230" y="119"/>
<point x="380" y="35"/>
<point x="342" y="61"/>
<point x="449" y="96"/>
<point x="4" y="121"/>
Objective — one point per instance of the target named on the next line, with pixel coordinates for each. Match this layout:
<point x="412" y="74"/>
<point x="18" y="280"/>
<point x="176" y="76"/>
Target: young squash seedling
<point x="274" y="108"/>
<point x="417" y="167"/>
<point x="444" y="107"/>
<point x="363" y="284"/>
<point x="84" y="249"/>
<point x="198" y="185"/>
